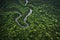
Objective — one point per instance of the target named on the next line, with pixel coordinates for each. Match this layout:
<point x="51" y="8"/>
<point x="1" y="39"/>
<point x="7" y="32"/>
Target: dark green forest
<point x="44" y="22"/>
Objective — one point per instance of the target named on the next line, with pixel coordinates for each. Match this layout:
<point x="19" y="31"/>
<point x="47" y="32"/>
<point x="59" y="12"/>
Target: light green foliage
<point x="44" y="22"/>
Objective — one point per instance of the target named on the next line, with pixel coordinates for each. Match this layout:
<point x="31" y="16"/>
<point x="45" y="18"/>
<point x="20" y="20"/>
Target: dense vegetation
<point x="44" y="23"/>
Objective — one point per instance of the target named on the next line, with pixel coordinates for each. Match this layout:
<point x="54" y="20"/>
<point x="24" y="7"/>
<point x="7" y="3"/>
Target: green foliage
<point x="44" y="22"/>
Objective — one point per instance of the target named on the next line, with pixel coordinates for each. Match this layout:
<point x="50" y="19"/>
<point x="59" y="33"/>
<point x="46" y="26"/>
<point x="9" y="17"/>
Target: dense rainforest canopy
<point x="44" y="22"/>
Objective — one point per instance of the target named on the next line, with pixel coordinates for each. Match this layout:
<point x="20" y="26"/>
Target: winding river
<point x="25" y="19"/>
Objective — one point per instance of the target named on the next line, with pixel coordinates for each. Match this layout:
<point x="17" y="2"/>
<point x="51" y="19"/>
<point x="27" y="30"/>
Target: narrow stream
<point x="26" y="2"/>
<point x="25" y="19"/>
